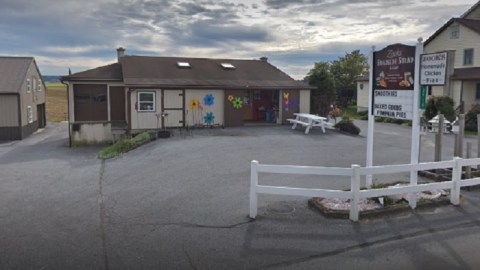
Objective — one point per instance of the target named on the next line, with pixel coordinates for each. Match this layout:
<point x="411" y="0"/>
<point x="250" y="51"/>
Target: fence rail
<point x="355" y="172"/>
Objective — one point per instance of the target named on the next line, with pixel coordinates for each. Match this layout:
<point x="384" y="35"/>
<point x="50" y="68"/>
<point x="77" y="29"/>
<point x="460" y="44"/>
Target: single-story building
<point x="143" y="93"/>
<point x="363" y="93"/>
<point x="22" y="98"/>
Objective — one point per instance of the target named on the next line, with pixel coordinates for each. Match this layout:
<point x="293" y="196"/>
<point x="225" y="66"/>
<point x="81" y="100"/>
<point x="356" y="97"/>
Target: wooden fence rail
<point x="355" y="173"/>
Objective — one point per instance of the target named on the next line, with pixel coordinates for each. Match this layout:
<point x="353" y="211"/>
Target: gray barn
<point x="22" y="98"/>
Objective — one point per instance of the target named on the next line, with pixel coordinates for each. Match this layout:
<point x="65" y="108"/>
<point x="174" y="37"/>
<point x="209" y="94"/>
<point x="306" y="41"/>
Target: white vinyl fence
<point x="355" y="194"/>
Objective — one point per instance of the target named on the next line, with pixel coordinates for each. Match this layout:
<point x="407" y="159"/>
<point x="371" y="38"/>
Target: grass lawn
<point x="56" y="102"/>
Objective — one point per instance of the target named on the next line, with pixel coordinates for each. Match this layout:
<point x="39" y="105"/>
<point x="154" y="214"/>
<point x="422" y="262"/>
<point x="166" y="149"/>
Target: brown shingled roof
<point x="112" y="72"/>
<point x="148" y="71"/>
<point x="203" y="72"/>
<point x="12" y="73"/>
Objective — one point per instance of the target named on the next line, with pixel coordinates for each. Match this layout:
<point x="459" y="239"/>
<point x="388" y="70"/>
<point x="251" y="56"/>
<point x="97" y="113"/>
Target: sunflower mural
<point x="193" y="104"/>
<point x="197" y="111"/>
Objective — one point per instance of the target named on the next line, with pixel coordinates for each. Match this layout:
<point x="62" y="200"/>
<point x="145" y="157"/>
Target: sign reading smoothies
<point x="393" y="70"/>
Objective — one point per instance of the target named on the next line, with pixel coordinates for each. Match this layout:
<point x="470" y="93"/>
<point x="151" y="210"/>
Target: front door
<point x="173" y="102"/>
<point x="117" y="103"/>
<point x="41" y="116"/>
<point x="234" y="108"/>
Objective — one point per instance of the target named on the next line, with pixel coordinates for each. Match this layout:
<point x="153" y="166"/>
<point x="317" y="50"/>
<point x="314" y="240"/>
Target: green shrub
<point x="471" y="118"/>
<point x="440" y="105"/>
<point x="363" y="113"/>
<point x="123" y="146"/>
<point x="347" y="126"/>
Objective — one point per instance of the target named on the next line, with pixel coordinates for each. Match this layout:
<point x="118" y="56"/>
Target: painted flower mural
<point x="230" y="98"/>
<point x="209" y="100"/>
<point x="193" y="104"/>
<point x="209" y="118"/>
<point x="237" y="103"/>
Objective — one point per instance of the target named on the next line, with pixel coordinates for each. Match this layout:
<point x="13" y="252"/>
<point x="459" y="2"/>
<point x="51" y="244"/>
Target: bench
<point x="298" y="122"/>
<point x="308" y="121"/>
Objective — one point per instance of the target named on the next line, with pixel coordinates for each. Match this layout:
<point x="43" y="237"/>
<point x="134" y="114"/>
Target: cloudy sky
<point x="293" y="34"/>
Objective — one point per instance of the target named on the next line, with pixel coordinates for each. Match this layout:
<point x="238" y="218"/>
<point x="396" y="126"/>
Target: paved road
<point x="182" y="203"/>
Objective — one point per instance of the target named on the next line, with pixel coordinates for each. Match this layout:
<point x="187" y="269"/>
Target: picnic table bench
<point x="308" y="121"/>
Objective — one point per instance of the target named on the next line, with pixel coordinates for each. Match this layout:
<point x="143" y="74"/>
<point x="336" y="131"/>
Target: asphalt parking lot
<point x="182" y="203"/>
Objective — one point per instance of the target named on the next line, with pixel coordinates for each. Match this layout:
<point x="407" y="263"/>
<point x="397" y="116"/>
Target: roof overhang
<point x="466" y="74"/>
<point x="222" y="87"/>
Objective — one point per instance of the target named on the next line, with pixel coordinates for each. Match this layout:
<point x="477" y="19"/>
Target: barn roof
<point x="13" y="71"/>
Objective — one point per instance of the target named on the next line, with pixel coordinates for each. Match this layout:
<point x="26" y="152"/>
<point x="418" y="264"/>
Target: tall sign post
<point x="394" y="93"/>
<point x="371" y="119"/>
<point x="415" y="124"/>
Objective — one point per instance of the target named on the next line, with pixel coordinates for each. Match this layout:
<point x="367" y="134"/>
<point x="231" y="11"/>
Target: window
<point x="455" y="32"/>
<point x="227" y="66"/>
<point x="477" y="93"/>
<point x="29" y="86"/>
<point x="29" y="114"/>
<point x="183" y="64"/>
<point x="34" y="85"/>
<point x="146" y="101"/>
<point x="39" y="86"/>
<point x="468" y="57"/>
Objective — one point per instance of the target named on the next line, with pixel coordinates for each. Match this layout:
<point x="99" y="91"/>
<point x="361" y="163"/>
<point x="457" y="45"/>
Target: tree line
<point x="336" y="81"/>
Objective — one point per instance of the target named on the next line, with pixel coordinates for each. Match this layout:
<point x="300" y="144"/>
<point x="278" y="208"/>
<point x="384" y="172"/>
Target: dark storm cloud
<point x="212" y="32"/>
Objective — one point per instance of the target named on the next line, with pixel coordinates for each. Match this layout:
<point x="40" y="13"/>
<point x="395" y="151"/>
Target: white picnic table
<point x="308" y="121"/>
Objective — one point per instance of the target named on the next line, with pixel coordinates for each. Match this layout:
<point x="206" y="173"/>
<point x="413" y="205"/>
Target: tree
<point x="346" y="71"/>
<point x="335" y="79"/>
<point x="322" y="97"/>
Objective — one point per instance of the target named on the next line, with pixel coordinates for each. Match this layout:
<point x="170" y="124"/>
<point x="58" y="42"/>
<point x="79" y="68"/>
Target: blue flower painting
<point x="209" y="118"/>
<point x="209" y="100"/>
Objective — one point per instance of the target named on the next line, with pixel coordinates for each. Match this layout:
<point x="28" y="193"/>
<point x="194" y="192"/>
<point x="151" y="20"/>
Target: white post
<point x="456" y="176"/>
<point x="355" y="189"/>
<point x="371" y="119"/>
<point x="415" y="124"/>
<point x="253" y="188"/>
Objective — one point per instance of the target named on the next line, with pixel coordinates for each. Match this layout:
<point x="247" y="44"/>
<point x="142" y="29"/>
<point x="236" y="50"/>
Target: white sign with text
<point x="433" y="68"/>
<point x="393" y="103"/>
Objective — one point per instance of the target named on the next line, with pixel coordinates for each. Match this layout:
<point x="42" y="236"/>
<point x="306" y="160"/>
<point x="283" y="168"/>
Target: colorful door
<point x="234" y="109"/>
<point x="173" y="107"/>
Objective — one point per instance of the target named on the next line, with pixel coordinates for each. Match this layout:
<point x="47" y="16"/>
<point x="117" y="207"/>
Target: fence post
<point x="468" y="169"/>
<point x="253" y="188"/>
<point x="355" y="190"/>
<point x="456" y="176"/>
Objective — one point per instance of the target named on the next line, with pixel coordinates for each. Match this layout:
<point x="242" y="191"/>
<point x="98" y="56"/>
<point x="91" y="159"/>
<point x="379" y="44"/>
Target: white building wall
<point x="91" y="133"/>
<point x="362" y="95"/>
<point x="146" y="120"/>
<point x="467" y="39"/>
<point x="305" y="101"/>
